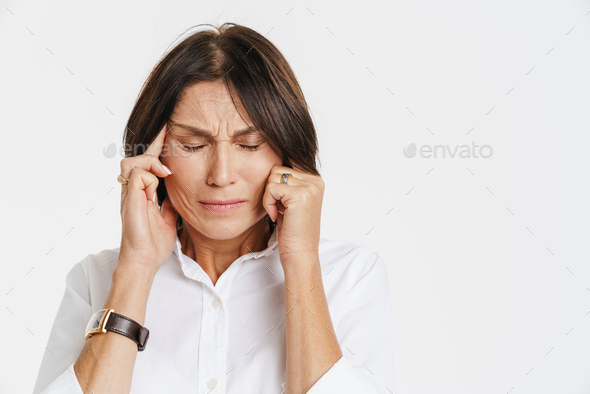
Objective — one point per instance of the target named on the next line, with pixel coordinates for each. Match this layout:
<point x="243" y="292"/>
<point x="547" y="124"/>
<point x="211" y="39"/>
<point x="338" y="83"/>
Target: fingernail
<point x="154" y="198"/>
<point x="167" y="169"/>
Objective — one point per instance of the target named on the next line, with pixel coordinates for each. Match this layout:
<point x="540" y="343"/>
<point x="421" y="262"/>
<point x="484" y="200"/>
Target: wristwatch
<point x="107" y="319"/>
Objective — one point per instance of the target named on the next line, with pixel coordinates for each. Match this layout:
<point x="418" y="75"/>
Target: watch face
<point x="95" y="323"/>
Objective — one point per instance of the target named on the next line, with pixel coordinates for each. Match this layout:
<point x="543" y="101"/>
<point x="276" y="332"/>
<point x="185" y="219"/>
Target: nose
<point x="220" y="164"/>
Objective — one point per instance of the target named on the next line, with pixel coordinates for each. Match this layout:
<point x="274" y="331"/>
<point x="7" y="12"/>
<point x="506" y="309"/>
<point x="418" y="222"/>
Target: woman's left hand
<point x="300" y="202"/>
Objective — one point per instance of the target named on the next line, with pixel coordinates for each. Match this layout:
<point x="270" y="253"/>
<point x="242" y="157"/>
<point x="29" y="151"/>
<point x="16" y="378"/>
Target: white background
<point x="488" y="257"/>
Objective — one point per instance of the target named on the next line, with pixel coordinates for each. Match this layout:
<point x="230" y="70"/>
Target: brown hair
<point x="259" y="74"/>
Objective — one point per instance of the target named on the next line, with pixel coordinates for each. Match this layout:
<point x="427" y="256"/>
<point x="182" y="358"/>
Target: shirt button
<point x="212" y="383"/>
<point x="216" y="303"/>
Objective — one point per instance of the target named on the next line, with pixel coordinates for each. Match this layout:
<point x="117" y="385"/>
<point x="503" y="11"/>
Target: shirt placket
<point x="214" y="327"/>
<point x="213" y="343"/>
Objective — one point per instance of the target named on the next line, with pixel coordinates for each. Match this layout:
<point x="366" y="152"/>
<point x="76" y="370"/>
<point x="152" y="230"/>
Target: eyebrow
<point x="206" y="133"/>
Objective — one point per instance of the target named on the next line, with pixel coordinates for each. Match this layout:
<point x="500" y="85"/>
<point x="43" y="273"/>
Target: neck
<point x="215" y="255"/>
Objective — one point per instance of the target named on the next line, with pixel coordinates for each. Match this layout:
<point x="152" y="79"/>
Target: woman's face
<point x="223" y="166"/>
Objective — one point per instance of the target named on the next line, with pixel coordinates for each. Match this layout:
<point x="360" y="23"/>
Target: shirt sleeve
<point x="365" y="334"/>
<point x="66" y="340"/>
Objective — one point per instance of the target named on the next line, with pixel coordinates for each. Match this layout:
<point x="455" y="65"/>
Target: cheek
<point x="186" y="176"/>
<point x="255" y="175"/>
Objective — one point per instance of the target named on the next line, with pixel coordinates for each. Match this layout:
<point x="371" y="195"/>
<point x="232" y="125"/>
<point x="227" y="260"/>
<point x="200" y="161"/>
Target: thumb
<point x="168" y="212"/>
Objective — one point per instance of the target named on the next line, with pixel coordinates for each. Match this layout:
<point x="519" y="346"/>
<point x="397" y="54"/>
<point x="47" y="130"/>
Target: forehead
<point x="208" y="103"/>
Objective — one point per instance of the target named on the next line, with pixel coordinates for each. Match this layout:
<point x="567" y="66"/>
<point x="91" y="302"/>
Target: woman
<point x="222" y="281"/>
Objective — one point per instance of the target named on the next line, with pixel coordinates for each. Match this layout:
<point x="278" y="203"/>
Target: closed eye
<point x="193" y="148"/>
<point x="197" y="148"/>
<point x="250" y="148"/>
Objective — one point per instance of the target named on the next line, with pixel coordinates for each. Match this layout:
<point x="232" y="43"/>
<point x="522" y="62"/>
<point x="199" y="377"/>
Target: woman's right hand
<point x="148" y="233"/>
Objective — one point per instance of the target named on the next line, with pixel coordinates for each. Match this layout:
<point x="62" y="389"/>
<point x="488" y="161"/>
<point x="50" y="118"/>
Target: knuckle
<point x="135" y="176"/>
<point x="141" y="162"/>
<point x="139" y="175"/>
<point x="128" y="164"/>
<point x="124" y="163"/>
<point x="319" y="184"/>
<point x="155" y="160"/>
<point x="150" y="161"/>
<point x="306" y="196"/>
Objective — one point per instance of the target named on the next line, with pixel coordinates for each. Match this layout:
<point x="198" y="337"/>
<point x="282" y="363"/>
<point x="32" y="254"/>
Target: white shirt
<point x="230" y="338"/>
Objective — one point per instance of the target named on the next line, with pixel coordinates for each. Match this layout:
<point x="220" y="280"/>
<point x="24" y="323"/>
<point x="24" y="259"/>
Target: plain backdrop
<point x="487" y="256"/>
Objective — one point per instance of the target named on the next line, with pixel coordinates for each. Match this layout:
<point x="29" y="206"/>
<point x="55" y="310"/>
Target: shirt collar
<point x="194" y="271"/>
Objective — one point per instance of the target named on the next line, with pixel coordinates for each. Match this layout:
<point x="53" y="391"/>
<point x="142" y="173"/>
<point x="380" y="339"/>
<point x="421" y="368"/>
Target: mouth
<point x="222" y="206"/>
<point x="222" y="202"/>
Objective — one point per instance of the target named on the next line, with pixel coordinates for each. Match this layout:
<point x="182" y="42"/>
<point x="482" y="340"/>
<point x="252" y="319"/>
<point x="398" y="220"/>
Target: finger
<point x="277" y="169"/>
<point x="126" y="173"/>
<point x="155" y="148"/>
<point x="278" y="178"/>
<point x="168" y="212"/>
<point x="143" y="183"/>
<point x="273" y="194"/>
<point x="145" y="162"/>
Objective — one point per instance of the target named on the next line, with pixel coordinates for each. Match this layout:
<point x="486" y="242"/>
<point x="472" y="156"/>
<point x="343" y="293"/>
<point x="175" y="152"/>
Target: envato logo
<point x="167" y="150"/>
<point x="461" y="151"/>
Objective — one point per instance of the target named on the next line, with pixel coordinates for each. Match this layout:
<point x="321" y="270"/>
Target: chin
<point x="220" y="228"/>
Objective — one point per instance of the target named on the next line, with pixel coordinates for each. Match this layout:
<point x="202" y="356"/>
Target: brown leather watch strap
<point x="129" y="328"/>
